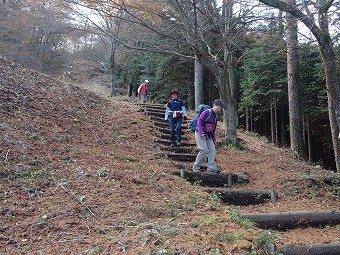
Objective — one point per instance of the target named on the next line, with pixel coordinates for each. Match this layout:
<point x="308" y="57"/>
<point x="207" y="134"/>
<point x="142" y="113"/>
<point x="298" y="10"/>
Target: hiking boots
<point x="215" y="171"/>
<point x="196" y="169"/>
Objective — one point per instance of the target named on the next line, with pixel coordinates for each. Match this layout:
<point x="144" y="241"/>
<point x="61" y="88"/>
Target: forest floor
<point x="80" y="174"/>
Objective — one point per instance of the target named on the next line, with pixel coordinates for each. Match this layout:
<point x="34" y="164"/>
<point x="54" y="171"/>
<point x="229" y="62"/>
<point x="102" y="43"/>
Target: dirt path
<point x="300" y="187"/>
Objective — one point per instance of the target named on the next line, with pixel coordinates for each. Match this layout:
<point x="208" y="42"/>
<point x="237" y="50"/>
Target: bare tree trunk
<point x="129" y="91"/>
<point x="230" y="111"/>
<point x="332" y="84"/>
<point x="112" y="66"/>
<point x="198" y="65"/>
<point x="198" y="83"/>
<point x="191" y="96"/>
<point x="322" y="35"/>
<point x="309" y="143"/>
<point x="334" y="119"/>
<point x="232" y="73"/>
<point x="272" y="123"/>
<point x="229" y="115"/>
<point x="294" y="95"/>
<point x="283" y="128"/>
<point x="276" y="126"/>
<point x="251" y="120"/>
<point x="246" y="116"/>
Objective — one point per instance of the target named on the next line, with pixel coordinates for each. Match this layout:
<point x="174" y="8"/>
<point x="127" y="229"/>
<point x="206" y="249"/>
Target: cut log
<point x="150" y="111"/>
<point x="164" y="124"/>
<point x="160" y="119"/>
<point x="167" y="131"/>
<point x="213" y="180"/>
<point x="153" y="109"/>
<point x="243" y="197"/>
<point x="167" y="136"/>
<point x="160" y="124"/>
<point x="152" y="105"/>
<point x="187" y="157"/>
<point x="181" y="150"/>
<point x="332" y="181"/>
<point x="155" y="114"/>
<point x="314" y="249"/>
<point x="167" y="142"/>
<point x="291" y="220"/>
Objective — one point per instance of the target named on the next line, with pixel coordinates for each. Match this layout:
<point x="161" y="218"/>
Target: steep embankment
<point x="80" y="174"/>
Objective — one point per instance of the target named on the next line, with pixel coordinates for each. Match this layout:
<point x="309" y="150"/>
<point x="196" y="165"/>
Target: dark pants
<point x="175" y="126"/>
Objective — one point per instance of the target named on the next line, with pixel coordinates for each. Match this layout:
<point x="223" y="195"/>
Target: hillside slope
<point x="80" y="174"/>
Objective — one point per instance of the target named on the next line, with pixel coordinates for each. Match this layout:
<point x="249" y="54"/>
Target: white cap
<point x="146" y="81"/>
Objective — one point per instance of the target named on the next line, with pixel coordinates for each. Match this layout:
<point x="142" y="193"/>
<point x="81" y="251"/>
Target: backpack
<point x="199" y="110"/>
<point x="139" y="88"/>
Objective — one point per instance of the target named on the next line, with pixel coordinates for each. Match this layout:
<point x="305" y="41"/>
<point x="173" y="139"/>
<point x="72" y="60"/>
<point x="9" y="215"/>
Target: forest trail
<point x="81" y="174"/>
<point x="298" y="186"/>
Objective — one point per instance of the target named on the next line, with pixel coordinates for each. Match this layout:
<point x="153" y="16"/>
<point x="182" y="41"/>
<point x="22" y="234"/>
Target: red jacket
<point x="143" y="89"/>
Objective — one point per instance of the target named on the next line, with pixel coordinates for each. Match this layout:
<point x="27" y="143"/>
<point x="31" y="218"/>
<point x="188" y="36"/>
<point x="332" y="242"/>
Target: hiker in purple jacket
<point x="205" y="136"/>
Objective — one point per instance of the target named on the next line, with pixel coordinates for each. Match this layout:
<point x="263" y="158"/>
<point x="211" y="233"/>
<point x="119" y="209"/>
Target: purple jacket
<point x="207" y="116"/>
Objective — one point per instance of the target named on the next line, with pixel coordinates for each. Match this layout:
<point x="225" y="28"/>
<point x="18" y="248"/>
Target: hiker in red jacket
<point x="143" y="91"/>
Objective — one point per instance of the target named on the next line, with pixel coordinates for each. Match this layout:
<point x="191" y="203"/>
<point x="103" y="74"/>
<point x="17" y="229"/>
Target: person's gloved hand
<point x="185" y="118"/>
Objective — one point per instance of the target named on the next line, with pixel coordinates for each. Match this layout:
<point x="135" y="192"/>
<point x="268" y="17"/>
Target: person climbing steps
<point x="175" y="112"/>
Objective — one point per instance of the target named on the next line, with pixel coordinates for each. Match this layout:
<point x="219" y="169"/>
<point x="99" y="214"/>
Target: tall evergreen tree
<point x="263" y="81"/>
<point x="294" y="94"/>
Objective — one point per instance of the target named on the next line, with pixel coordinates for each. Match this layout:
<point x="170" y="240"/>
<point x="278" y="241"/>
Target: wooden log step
<point x="152" y="105"/>
<point x="291" y="220"/>
<point x="155" y="114"/>
<point x="180" y="150"/>
<point x="182" y="167"/>
<point x="159" y="119"/>
<point x="187" y="157"/>
<point x="155" y="108"/>
<point x="146" y="109"/>
<point x="164" y="124"/>
<point x="167" y="136"/>
<point x="167" y="142"/>
<point x="151" y="111"/>
<point x="167" y="131"/>
<point x="313" y="249"/>
<point x="213" y="180"/>
<point x="244" y="197"/>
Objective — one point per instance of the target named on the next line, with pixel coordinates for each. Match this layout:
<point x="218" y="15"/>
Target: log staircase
<point x="221" y="185"/>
